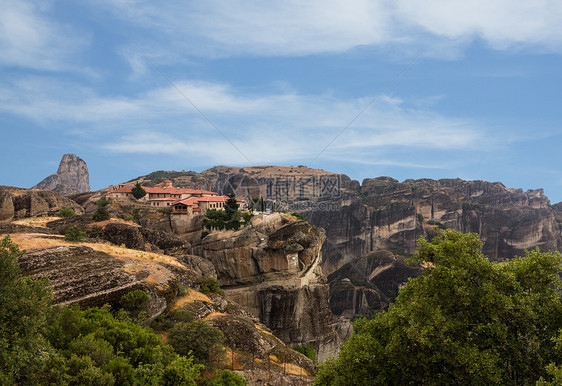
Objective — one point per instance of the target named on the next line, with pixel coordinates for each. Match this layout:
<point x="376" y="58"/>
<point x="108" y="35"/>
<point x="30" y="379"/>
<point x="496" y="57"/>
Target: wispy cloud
<point x="29" y="39"/>
<point x="291" y="27"/>
<point x="274" y="127"/>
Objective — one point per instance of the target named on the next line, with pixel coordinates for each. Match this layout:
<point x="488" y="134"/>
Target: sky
<point x="402" y="88"/>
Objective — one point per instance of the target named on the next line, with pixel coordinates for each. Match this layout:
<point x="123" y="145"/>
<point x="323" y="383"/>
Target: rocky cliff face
<point x="386" y="214"/>
<point x="272" y="268"/>
<point x="18" y="203"/>
<point x="381" y="214"/>
<point x="71" y="177"/>
<point x="94" y="274"/>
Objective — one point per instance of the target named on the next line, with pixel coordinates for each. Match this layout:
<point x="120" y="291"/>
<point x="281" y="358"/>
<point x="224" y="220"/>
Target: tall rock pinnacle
<point x="71" y="177"/>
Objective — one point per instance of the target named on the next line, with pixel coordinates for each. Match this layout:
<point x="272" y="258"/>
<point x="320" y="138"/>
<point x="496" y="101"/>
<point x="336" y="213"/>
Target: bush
<point x="74" y="233"/>
<point x="101" y="214"/>
<point x="299" y="216"/>
<point x="210" y="285"/>
<point x="420" y="218"/>
<point x="135" y="303"/>
<point x="102" y="202"/>
<point x="66" y="212"/>
<point x="199" y="339"/>
<point x="306" y="350"/>
<point x="225" y="378"/>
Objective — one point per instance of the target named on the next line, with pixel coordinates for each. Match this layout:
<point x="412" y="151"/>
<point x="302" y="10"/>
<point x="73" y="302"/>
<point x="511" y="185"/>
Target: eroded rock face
<point x="90" y="278"/>
<point x="273" y="269"/>
<point x="368" y="283"/>
<point x="16" y="203"/>
<point x="71" y="177"/>
<point x="386" y="214"/>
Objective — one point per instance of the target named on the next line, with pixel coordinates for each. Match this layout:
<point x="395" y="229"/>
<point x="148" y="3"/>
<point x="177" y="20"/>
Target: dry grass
<point x="190" y="296"/>
<point x="33" y="240"/>
<point x="102" y="224"/>
<point x="213" y="315"/>
<point x="36" y="221"/>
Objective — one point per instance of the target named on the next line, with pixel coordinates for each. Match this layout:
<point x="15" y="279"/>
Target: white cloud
<point x="29" y="39"/>
<point x="291" y="27"/>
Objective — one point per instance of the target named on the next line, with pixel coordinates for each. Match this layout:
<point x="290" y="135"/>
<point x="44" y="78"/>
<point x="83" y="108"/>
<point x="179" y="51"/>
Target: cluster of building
<point x="183" y="201"/>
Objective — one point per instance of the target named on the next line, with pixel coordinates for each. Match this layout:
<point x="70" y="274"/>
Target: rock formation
<point x="272" y="268"/>
<point x="380" y="214"/>
<point x="16" y="203"/>
<point x="71" y="177"/>
<point x="94" y="274"/>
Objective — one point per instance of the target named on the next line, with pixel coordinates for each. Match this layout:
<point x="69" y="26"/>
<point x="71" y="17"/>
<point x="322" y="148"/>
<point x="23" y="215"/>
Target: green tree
<point x="466" y="320"/>
<point x="138" y="191"/>
<point x="24" y="304"/>
<point x="102" y="213"/>
<point x="231" y="206"/>
<point x="199" y="339"/>
<point x="66" y="212"/>
<point x="74" y="233"/>
<point x="136" y="303"/>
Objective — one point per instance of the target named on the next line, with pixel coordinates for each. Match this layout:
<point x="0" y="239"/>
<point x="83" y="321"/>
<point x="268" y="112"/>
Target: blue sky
<point x="280" y="80"/>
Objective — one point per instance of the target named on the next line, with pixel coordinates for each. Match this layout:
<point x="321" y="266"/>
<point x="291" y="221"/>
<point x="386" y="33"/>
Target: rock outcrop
<point x="386" y="214"/>
<point x="16" y="203"/>
<point x="95" y="274"/>
<point x="272" y="268"/>
<point x="71" y="177"/>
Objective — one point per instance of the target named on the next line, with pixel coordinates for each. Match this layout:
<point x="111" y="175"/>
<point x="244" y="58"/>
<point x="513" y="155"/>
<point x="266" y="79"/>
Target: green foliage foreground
<point x="40" y="345"/>
<point x="466" y="320"/>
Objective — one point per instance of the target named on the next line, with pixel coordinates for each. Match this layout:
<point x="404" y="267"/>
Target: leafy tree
<point x="199" y="339"/>
<point x="24" y="303"/>
<point x="306" y="350"/>
<point x="136" y="303"/>
<point x="466" y="320"/>
<point x="231" y="206"/>
<point x="138" y="191"/>
<point x="210" y="285"/>
<point x="102" y="213"/>
<point x="225" y="378"/>
<point x="66" y="212"/>
<point x="74" y="233"/>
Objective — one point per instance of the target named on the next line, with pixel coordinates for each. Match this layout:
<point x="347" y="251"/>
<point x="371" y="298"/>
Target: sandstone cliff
<point x="71" y="177"/>
<point x="272" y="268"/>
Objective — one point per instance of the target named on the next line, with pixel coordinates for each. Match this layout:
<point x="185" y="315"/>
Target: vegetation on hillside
<point x="102" y="213"/>
<point x="138" y="191"/>
<point x="44" y="345"/>
<point x="466" y="320"/>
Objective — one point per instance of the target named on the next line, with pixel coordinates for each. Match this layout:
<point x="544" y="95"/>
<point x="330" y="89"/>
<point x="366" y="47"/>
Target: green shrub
<point x="102" y="202"/>
<point x="135" y="303"/>
<point x="420" y="218"/>
<point x="74" y="233"/>
<point x="299" y="216"/>
<point x="66" y="212"/>
<point x="183" y="316"/>
<point x="210" y="285"/>
<point x="199" y="339"/>
<point x="437" y="223"/>
<point x="306" y="350"/>
<point x="101" y="214"/>
<point x="225" y="378"/>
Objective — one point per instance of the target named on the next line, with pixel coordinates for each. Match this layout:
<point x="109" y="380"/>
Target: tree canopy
<point x="465" y="320"/>
<point x="138" y="191"/>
